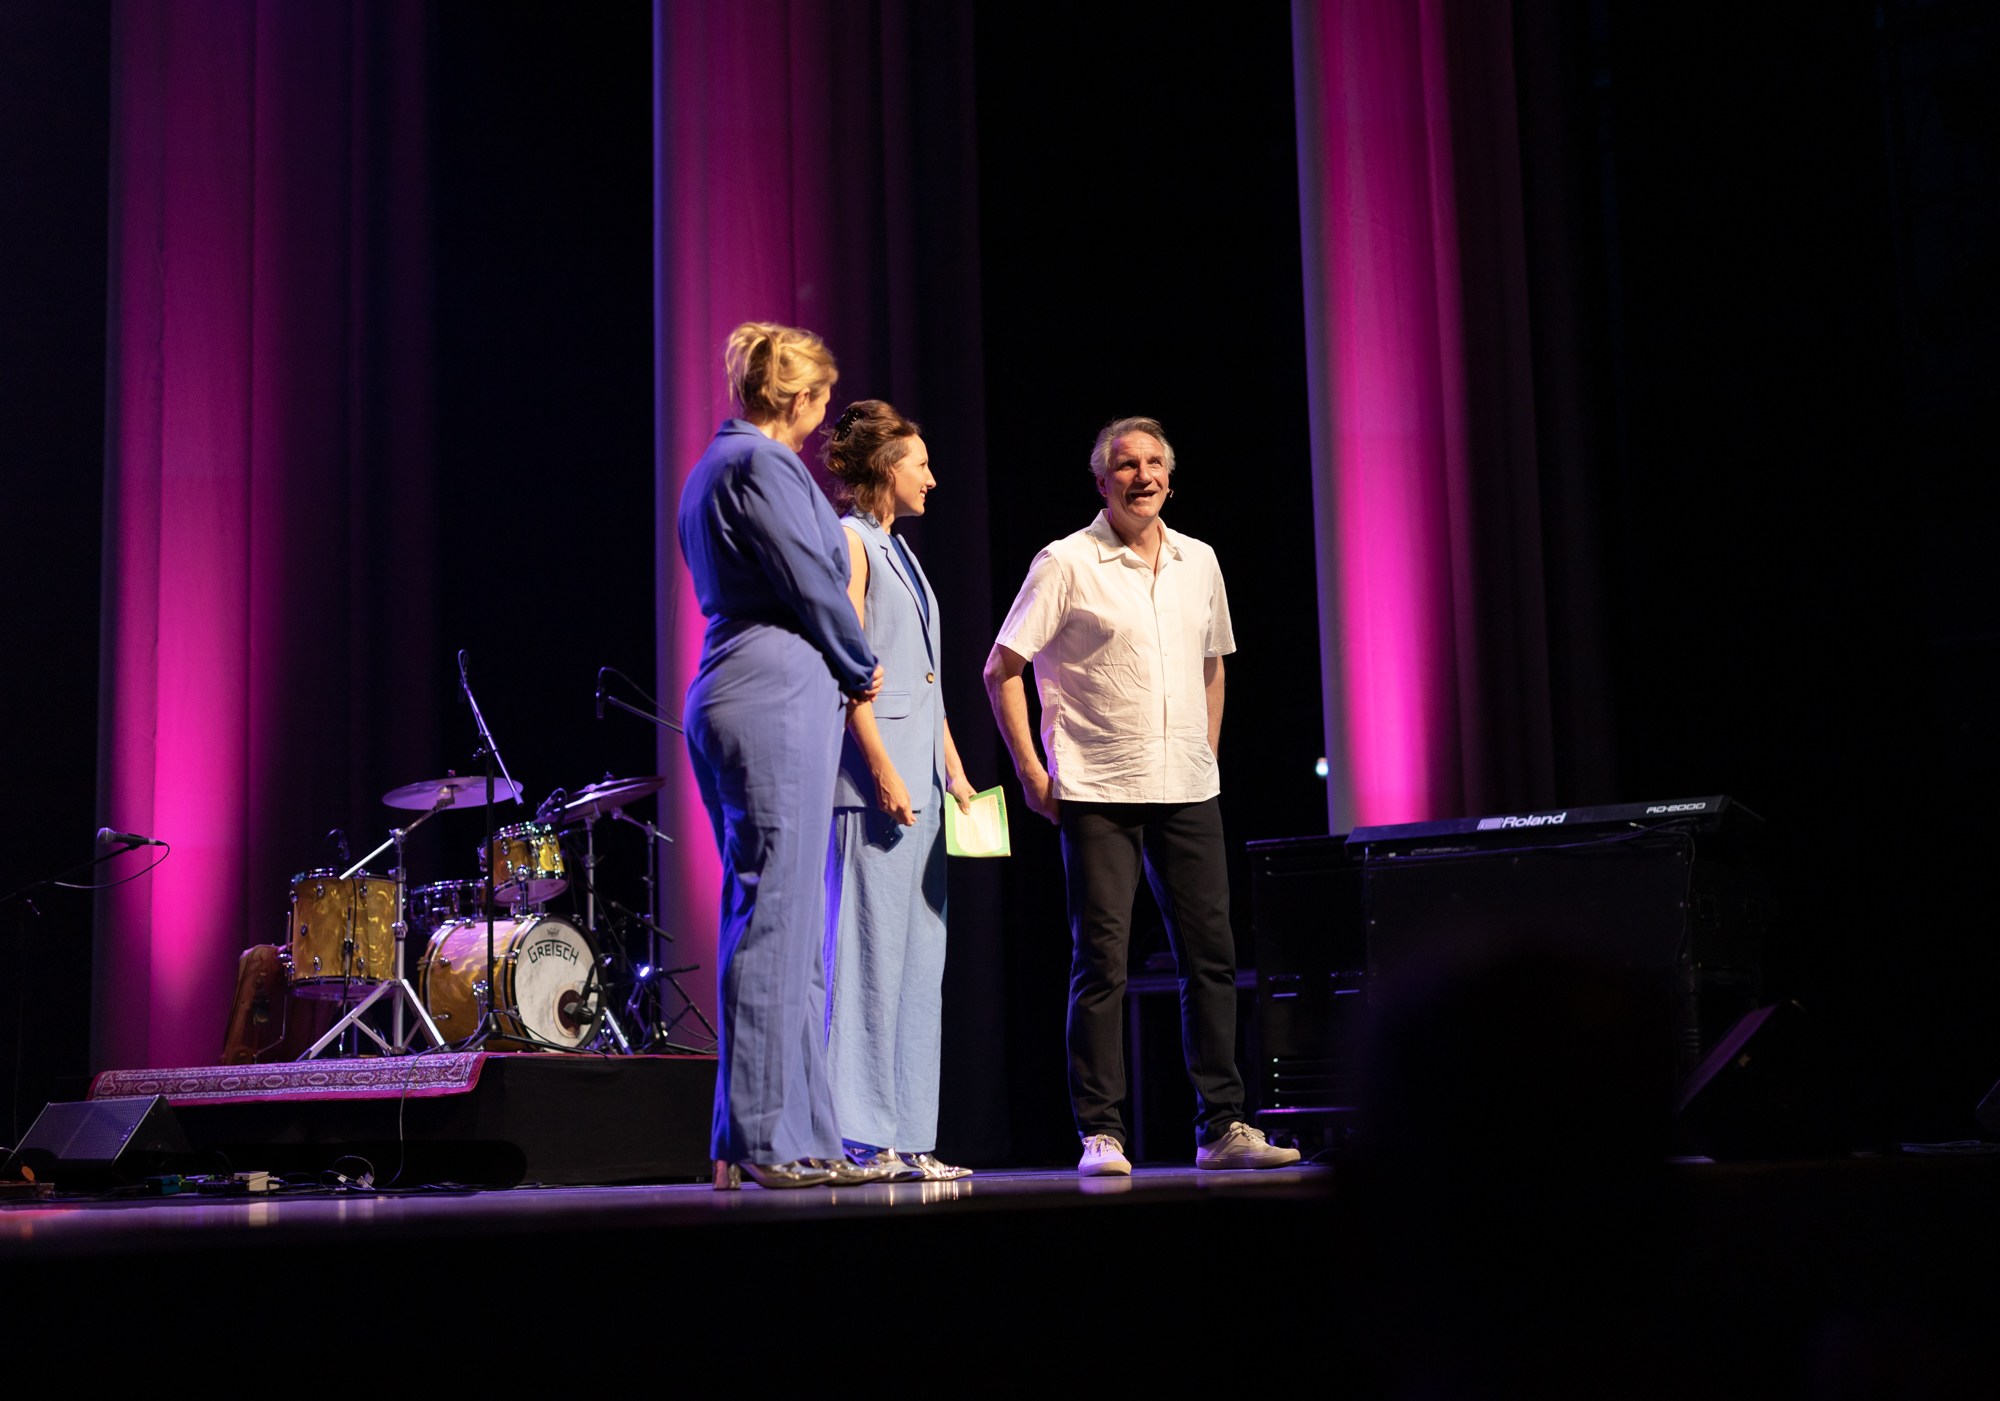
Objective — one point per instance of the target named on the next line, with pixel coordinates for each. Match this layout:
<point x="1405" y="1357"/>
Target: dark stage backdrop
<point x="54" y="111"/>
<point x="1803" y="549"/>
<point x="543" y="213"/>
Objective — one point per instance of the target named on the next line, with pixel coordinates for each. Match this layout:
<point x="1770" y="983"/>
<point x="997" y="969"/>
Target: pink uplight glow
<point x="1387" y="370"/>
<point x="178" y="519"/>
<point x="742" y="210"/>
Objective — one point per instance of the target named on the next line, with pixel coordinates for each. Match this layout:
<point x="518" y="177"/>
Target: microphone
<point x="107" y="837"/>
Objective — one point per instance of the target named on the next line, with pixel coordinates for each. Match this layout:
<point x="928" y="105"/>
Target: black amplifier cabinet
<point x="1671" y="889"/>
<point x="1312" y="961"/>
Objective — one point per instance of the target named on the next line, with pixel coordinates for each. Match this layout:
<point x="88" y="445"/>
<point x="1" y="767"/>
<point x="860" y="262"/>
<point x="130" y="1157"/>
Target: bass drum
<point x="547" y="997"/>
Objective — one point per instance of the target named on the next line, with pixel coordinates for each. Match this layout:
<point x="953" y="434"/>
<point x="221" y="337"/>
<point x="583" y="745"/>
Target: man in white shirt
<point x="1127" y="623"/>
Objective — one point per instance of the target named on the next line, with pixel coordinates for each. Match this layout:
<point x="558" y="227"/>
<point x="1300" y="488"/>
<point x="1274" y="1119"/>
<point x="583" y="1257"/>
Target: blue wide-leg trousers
<point x="885" y="964"/>
<point x="763" y="724"/>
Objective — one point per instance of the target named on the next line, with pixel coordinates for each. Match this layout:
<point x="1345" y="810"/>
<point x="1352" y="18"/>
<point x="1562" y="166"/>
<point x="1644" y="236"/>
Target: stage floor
<point x="30" y="1230"/>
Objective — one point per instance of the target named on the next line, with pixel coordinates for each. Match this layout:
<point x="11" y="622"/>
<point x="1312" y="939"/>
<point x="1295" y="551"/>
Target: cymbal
<point x="466" y="792"/>
<point x="601" y="799"/>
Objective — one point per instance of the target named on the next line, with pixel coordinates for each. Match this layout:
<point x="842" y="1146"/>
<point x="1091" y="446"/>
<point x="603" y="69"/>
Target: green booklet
<point x="980" y="832"/>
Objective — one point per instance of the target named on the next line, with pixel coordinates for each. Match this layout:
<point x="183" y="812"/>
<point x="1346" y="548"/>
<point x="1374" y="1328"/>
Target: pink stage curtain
<point x="814" y="165"/>
<point x="1426" y="493"/>
<point x="266" y="658"/>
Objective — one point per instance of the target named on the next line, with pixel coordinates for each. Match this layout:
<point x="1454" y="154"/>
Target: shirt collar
<point x="1110" y="547"/>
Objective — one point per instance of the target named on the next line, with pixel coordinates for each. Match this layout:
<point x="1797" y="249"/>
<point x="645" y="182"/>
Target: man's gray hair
<point x="1100" y="453"/>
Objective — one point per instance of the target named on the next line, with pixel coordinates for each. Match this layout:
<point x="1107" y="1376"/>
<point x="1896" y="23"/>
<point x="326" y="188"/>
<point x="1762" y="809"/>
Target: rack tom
<point x="527" y="863"/>
<point x="342" y="932"/>
<point x="444" y="901"/>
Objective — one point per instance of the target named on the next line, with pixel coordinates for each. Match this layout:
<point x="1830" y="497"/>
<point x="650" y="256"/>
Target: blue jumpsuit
<point x="764" y="718"/>
<point x="885" y="882"/>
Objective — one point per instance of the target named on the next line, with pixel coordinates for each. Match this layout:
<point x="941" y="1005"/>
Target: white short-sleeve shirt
<point x="1118" y="652"/>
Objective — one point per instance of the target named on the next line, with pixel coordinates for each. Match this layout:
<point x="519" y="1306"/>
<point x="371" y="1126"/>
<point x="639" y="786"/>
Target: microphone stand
<point x="603" y="695"/>
<point x="77" y="869"/>
<point x="29" y="907"/>
<point x="489" y="1024"/>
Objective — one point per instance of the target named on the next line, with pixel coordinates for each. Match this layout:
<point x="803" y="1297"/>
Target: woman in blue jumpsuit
<point x="764" y="717"/>
<point x="885" y="939"/>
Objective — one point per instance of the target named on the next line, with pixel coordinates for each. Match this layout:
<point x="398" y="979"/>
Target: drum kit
<point x="497" y="970"/>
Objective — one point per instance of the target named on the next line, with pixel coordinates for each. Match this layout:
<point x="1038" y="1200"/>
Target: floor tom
<point x="342" y="933"/>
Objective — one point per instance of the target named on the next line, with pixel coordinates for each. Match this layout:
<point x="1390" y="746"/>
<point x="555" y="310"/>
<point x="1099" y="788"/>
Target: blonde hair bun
<point x="770" y="365"/>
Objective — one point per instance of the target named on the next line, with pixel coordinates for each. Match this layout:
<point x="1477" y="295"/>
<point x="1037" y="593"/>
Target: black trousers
<point x="1180" y="847"/>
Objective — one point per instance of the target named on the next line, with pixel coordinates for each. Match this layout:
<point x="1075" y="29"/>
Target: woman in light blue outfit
<point x="886" y="860"/>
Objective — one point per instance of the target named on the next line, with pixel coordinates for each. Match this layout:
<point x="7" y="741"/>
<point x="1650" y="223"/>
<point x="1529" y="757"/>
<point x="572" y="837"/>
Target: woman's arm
<point x="784" y="510"/>
<point x="890" y="794"/>
<point x="956" y="783"/>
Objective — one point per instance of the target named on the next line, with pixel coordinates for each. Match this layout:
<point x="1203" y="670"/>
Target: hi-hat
<point x="602" y="799"/>
<point x="466" y="792"/>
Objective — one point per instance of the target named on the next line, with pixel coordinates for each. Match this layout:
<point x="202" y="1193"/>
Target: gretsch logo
<point x="551" y="948"/>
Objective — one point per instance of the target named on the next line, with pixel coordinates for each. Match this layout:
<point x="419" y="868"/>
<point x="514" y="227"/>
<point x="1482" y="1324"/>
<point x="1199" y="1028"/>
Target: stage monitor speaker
<point x="101" y="1140"/>
<point x="1761" y="1092"/>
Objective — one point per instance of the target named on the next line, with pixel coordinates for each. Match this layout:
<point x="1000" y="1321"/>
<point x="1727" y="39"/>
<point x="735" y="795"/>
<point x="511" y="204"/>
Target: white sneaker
<point x="1242" y="1147"/>
<point x="1102" y="1157"/>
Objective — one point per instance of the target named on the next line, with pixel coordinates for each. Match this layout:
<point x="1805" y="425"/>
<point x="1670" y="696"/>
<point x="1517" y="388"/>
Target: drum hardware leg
<point x="396" y="1034"/>
<point x="397" y="836"/>
<point x="654" y="934"/>
<point x="490" y="751"/>
<point x="397" y="990"/>
<point x="666" y="1029"/>
<point x="590" y="875"/>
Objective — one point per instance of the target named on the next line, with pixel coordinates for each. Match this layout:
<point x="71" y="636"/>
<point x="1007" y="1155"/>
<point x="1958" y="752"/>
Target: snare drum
<point x="342" y="933"/>
<point x="540" y="967"/>
<point x="526" y="851"/>
<point x="444" y="901"/>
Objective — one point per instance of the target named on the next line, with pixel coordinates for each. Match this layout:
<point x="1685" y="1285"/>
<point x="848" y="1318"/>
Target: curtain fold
<point x="268" y="514"/>
<point x="816" y="164"/>
<point x="1434" y="651"/>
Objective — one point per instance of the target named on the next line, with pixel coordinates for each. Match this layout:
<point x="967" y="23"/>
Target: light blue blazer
<point x="910" y="710"/>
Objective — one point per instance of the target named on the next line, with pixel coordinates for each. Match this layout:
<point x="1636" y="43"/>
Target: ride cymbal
<point x="466" y="792"/>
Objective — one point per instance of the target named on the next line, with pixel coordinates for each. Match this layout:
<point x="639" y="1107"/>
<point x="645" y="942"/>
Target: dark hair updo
<point x="862" y="448"/>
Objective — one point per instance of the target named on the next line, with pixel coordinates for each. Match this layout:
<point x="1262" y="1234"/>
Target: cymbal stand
<point x="658" y="1029"/>
<point x="489" y="1024"/>
<point x="397" y="990"/>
